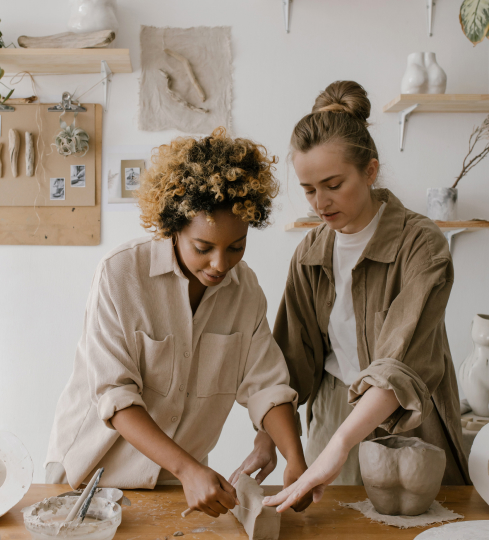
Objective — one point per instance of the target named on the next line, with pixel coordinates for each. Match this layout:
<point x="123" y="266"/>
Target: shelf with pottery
<point x="445" y="226"/>
<point x="64" y="61"/>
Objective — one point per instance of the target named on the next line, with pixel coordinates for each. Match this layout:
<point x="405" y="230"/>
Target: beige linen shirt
<point x="400" y="287"/>
<point x="141" y="345"/>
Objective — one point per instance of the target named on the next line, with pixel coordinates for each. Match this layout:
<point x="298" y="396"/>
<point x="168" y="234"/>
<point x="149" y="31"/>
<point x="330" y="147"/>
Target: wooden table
<point x="155" y="515"/>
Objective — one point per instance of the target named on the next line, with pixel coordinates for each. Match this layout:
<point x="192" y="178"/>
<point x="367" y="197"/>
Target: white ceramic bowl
<point x="45" y="519"/>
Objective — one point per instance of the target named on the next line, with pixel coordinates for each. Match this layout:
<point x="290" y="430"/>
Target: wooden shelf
<point x="445" y="226"/>
<point x="64" y="61"/>
<point x="441" y="103"/>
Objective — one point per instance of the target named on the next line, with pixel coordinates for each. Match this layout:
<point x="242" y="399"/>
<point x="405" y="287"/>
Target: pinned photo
<point x="77" y="175"/>
<point x="57" y="189"/>
<point x="132" y="177"/>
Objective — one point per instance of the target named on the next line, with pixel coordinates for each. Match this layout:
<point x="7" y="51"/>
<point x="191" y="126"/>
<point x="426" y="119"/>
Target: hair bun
<point x="344" y="97"/>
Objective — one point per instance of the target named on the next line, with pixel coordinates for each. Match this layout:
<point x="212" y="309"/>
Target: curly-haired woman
<point x="175" y="331"/>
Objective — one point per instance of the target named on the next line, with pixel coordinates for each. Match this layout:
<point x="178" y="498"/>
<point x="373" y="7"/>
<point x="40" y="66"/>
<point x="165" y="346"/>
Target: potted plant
<point x="442" y="202"/>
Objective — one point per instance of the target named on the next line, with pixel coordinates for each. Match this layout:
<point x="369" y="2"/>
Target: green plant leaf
<point x="2" y="73"/>
<point x="474" y="18"/>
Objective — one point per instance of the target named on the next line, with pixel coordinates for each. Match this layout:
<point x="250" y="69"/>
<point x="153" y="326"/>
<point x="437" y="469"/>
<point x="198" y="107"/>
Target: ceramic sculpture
<point x="16" y="470"/>
<point x="402" y="475"/>
<point x="423" y="75"/>
<point x="479" y="463"/>
<point x="474" y="372"/>
<point x="93" y="15"/>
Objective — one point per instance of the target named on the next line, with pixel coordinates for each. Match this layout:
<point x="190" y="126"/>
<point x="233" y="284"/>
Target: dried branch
<point x="478" y="133"/>
<point x="190" y="73"/>
<point x="178" y="98"/>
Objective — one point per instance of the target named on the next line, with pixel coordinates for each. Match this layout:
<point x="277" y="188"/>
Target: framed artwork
<point x="131" y="170"/>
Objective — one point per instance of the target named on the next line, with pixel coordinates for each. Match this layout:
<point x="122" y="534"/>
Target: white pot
<point x="93" y="15"/>
<point x="442" y="204"/>
<point x="437" y="78"/>
<point x="415" y="79"/>
<point x="474" y="372"/>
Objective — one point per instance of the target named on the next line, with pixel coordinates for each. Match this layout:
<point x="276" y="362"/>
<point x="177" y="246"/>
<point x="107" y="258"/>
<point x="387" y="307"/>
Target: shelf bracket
<point x="107" y="77"/>
<point x="403" y="118"/>
<point x="286" y="8"/>
<point x="429" y="7"/>
<point x="450" y="234"/>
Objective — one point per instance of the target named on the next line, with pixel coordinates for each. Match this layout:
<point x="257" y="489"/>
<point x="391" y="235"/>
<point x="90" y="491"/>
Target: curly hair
<point x="191" y="175"/>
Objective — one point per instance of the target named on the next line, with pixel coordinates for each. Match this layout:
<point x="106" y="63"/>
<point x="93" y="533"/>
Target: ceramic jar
<point x="93" y="15"/>
<point x="402" y="475"/>
<point x="474" y="372"/>
<point x="437" y="78"/>
<point x="423" y="75"/>
<point x="442" y="204"/>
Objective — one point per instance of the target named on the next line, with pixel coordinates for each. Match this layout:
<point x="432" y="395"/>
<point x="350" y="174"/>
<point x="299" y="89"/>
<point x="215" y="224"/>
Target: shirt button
<point x="181" y="387"/>
<point x="174" y="418"/>
<point x="187" y="354"/>
<point x="328" y="303"/>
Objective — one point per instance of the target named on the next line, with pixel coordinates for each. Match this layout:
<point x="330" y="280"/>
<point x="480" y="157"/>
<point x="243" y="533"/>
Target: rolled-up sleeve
<point x="265" y="381"/>
<point x="113" y="377"/>
<point x="408" y="334"/>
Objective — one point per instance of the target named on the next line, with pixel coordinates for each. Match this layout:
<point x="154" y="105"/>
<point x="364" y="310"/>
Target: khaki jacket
<point x="142" y="345"/>
<point x="400" y="286"/>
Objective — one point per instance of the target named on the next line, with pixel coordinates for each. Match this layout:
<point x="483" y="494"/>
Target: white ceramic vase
<point x="442" y="204"/>
<point x="474" y="372"/>
<point x="93" y="15"/>
<point x="437" y="78"/>
<point x="415" y="79"/>
<point x="423" y="75"/>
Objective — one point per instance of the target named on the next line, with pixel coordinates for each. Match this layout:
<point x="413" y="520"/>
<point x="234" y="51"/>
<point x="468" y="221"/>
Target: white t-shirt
<point x="342" y="361"/>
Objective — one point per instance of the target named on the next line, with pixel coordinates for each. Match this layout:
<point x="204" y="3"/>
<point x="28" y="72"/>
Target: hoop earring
<point x="174" y="240"/>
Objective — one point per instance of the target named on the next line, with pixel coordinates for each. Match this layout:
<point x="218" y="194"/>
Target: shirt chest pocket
<point x="156" y="360"/>
<point x="218" y="364"/>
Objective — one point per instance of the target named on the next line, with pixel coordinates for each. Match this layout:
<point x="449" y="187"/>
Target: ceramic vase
<point x="415" y="79"/>
<point x="402" y="475"/>
<point x="442" y="204"/>
<point x="474" y="372"/>
<point x="93" y="15"/>
<point x="437" y="78"/>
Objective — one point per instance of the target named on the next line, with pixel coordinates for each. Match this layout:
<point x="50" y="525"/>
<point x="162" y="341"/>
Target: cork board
<point x="55" y="181"/>
<point x="63" y="226"/>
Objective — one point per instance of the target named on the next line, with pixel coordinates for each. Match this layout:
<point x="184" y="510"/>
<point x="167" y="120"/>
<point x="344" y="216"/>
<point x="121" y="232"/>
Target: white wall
<point x="277" y="77"/>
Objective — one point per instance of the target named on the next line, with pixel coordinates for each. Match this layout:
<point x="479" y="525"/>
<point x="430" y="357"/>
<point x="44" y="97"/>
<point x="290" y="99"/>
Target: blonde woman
<point x="362" y="319"/>
<point x="175" y="332"/>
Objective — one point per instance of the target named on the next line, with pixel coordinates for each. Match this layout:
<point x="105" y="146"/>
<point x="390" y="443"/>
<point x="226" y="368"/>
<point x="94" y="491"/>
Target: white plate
<point x="463" y="530"/>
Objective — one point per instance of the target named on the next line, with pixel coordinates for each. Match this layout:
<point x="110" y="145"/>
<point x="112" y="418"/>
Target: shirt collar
<point x="382" y="247"/>
<point x="164" y="260"/>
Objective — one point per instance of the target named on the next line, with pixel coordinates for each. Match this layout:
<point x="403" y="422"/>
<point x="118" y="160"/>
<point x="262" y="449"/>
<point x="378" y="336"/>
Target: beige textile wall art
<point x="188" y="86"/>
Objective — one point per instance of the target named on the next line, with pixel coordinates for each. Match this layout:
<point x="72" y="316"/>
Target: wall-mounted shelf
<point x="405" y="104"/>
<point x="64" y="61"/>
<point x="445" y="226"/>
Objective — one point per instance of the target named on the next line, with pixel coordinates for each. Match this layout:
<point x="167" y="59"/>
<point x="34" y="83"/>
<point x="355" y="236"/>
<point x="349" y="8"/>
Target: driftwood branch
<point x="178" y="98"/>
<point x="69" y="40"/>
<point x="13" y="150"/>
<point x="21" y="101"/>
<point x="190" y="72"/>
<point x="480" y="132"/>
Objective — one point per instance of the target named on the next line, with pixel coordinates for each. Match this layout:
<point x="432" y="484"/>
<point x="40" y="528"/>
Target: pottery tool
<point x="185" y="513"/>
<point x="87" y="495"/>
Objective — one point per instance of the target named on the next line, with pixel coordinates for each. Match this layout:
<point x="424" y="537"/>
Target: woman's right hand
<point x="264" y="457"/>
<point x="207" y="491"/>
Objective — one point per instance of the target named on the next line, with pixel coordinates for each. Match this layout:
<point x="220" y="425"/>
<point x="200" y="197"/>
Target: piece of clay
<point x="190" y="72"/>
<point x="402" y="475"/>
<point x="29" y="154"/>
<point x="16" y="470"/>
<point x="260" y="522"/>
<point x="178" y="98"/>
<point x="463" y="530"/>
<point x="13" y="150"/>
<point x="178" y="533"/>
<point x="1" y="165"/>
<point x="69" y="40"/>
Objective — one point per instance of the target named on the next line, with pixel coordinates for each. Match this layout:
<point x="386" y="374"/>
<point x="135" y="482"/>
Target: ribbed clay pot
<point x="402" y="475"/>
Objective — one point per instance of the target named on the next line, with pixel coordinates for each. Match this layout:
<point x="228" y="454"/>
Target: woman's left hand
<point x="321" y="473"/>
